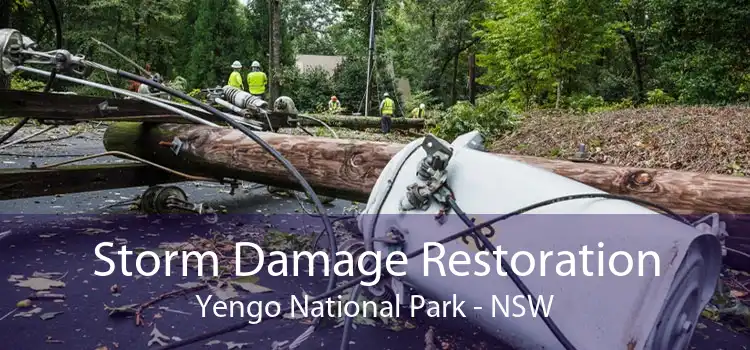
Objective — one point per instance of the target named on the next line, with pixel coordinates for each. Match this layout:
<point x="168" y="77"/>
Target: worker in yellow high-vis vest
<point x="257" y="80"/>
<point x="235" y="79"/>
<point x="386" y="113"/>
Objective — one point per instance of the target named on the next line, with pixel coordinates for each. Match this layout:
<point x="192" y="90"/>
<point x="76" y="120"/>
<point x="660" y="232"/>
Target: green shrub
<point x="658" y="97"/>
<point x="19" y="83"/>
<point x="490" y="116"/>
<point x="586" y="103"/>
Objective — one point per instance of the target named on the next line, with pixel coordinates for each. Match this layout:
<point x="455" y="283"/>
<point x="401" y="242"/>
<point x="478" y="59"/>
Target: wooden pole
<point x="362" y="123"/>
<point x="348" y="168"/>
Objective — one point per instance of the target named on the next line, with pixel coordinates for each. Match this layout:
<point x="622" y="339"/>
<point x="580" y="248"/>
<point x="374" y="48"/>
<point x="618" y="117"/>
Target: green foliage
<point x="19" y="83"/>
<point x="586" y="103"/>
<point x="658" y="97"/>
<point x="310" y="90"/>
<point x="490" y="117"/>
<point x="425" y="97"/>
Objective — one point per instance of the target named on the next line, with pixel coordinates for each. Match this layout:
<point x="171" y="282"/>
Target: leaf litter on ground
<point x="49" y="315"/>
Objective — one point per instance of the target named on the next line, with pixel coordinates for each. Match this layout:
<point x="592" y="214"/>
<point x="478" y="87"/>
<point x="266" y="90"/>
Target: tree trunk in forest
<point x="4" y="23"/>
<point x="472" y="85"/>
<point x="275" y="59"/>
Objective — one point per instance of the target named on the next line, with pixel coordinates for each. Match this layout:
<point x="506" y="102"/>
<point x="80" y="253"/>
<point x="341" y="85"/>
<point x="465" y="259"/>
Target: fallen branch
<point x="176" y="292"/>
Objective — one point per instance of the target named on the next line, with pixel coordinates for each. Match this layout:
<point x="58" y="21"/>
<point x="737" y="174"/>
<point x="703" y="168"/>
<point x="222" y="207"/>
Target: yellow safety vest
<point x="235" y="80"/>
<point x="387" y="107"/>
<point x="417" y="113"/>
<point x="256" y="82"/>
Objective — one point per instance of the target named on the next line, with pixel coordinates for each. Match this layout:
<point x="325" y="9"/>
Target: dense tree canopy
<point x="529" y="53"/>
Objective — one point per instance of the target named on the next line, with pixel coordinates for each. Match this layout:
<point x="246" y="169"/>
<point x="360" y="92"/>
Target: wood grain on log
<point x="348" y="169"/>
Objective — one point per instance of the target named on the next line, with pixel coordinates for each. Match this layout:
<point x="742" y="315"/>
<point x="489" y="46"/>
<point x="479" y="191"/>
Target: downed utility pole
<point x="348" y="169"/>
<point x="362" y="123"/>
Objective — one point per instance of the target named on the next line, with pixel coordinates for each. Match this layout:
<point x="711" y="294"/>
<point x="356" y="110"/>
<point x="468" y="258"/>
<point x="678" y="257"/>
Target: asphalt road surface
<point x="59" y="234"/>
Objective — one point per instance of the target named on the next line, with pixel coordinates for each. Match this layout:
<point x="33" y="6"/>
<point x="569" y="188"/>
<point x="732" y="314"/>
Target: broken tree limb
<point x="362" y="123"/>
<point x="348" y="169"/>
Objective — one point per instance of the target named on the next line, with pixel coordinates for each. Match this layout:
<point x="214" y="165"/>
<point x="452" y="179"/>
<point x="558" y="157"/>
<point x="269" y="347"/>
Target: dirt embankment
<point x="702" y="139"/>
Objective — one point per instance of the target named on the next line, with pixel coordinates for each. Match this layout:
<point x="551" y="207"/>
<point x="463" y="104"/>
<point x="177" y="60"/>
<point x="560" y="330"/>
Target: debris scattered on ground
<point x="429" y="339"/>
<point x="645" y="137"/>
<point x="157" y="338"/>
<point x="49" y="315"/>
<point x="29" y="313"/>
<point x="248" y="283"/>
<point x="730" y="304"/>
<point x="37" y="283"/>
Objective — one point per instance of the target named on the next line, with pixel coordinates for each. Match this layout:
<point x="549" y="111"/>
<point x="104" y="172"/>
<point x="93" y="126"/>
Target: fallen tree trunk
<point x="362" y="123"/>
<point x="348" y="169"/>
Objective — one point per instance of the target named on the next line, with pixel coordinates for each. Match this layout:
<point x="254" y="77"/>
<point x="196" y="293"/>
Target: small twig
<point x="45" y="296"/>
<point x="738" y="252"/>
<point x="141" y="307"/>
<point x="63" y="276"/>
<point x="8" y="314"/>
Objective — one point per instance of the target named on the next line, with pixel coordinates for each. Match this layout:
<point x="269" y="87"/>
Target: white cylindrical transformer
<point x="243" y="99"/>
<point x="675" y="267"/>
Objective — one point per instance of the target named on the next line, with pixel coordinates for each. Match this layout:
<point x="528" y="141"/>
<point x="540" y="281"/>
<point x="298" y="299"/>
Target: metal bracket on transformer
<point x="716" y="227"/>
<point x="432" y="176"/>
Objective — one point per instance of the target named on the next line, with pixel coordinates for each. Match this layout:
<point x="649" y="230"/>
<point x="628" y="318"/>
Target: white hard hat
<point x="255" y="64"/>
<point x="236" y="65"/>
<point x="385" y="94"/>
<point x="421" y="105"/>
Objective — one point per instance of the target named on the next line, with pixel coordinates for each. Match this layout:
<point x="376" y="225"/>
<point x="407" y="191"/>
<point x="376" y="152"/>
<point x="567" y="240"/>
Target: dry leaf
<point x="49" y="315"/>
<point x="94" y="231"/>
<point x="189" y="285"/>
<point x="158" y="338"/>
<point x="103" y="347"/>
<point x="213" y="342"/>
<point x="738" y="293"/>
<point x="29" y="313"/>
<point x="15" y="278"/>
<point x="224" y="292"/>
<point x="23" y="303"/>
<point x="49" y="340"/>
<point x="50" y="275"/>
<point x="232" y="345"/>
<point x="248" y="284"/>
<point x="37" y="283"/>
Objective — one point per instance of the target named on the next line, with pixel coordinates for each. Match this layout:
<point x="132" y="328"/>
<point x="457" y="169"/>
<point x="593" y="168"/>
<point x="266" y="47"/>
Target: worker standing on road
<point x="386" y="113"/>
<point x="235" y="79"/>
<point x="256" y="81"/>
<point x="334" y="105"/>
<point x="418" y="112"/>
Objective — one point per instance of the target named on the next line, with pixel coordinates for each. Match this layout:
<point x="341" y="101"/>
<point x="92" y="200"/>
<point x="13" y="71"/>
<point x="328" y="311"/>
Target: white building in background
<point x="329" y="64"/>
